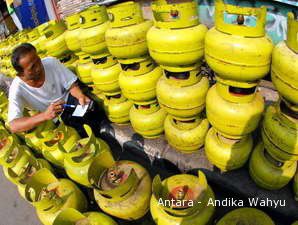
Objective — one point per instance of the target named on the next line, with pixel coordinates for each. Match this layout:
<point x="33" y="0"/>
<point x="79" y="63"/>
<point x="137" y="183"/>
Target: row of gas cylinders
<point x="234" y="107"/>
<point x="6" y="48"/>
<point x="122" y="189"/>
<point x="240" y="56"/>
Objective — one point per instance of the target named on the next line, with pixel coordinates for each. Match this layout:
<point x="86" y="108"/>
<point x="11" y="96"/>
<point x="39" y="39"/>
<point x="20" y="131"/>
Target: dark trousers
<point x="93" y="118"/>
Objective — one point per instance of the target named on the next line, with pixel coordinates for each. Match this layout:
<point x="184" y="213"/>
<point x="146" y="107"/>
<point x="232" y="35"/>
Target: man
<point x="44" y="85"/>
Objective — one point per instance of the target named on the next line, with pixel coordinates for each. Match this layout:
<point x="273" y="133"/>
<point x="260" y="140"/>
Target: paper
<point x="80" y="110"/>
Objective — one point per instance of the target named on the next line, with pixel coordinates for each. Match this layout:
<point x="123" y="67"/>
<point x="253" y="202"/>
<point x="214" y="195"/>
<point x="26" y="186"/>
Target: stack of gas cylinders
<point x="150" y="73"/>
<point x="126" y="40"/>
<point x="240" y="55"/>
<point x="278" y="154"/>
<point x="176" y="43"/>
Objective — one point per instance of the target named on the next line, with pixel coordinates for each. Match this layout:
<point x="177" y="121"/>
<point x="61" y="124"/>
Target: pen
<point x="69" y="106"/>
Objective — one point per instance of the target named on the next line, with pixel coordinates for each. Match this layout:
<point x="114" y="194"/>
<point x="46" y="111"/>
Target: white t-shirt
<point x="58" y="80"/>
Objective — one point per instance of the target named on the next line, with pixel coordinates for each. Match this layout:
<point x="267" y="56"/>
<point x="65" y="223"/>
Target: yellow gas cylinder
<point x="33" y="138"/>
<point x="238" y="51"/>
<point x="41" y="50"/>
<point x="227" y="153"/>
<point x="182" y="200"/>
<point x="55" y="45"/>
<point x="147" y="119"/>
<point x="94" y="23"/>
<point x="78" y="160"/>
<point x="74" y="217"/>
<point x="70" y="61"/>
<point x="186" y="135"/>
<point x="126" y="38"/>
<point x="234" y="108"/>
<point x="56" y="144"/>
<point x="73" y="32"/>
<point x="117" y="108"/>
<point x="280" y="132"/>
<point x="182" y="91"/>
<point x="50" y="195"/>
<point x="284" y="71"/>
<point x="24" y="169"/>
<point x="269" y="173"/>
<point x="11" y="152"/>
<point x="34" y="36"/>
<point x="123" y="190"/>
<point x="296" y="186"/>
<point x="105" y="74"/>
<point x="84" y="68"/>
<point x="138" y="79"/>
<point x="3" y="106"/>
<point x="177" y="37"/>
<point x="247" y="216"/>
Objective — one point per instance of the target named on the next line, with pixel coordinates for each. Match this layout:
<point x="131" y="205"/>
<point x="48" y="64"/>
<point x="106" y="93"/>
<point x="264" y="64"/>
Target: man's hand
<point x="84" y="100"/>
<point x="53" y="110"/>
<point x="76" y="92"/>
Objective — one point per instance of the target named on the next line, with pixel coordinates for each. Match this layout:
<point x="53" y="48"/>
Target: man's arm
<point x="76" y="92"/>
<point x="28" y="123"/>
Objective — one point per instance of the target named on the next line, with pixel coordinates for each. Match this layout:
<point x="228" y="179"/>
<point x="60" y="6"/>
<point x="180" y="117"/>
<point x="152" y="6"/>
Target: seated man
<point x="44" y="85"/>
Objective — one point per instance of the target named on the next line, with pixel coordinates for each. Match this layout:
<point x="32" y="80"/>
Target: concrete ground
<point x="14" y="210"/>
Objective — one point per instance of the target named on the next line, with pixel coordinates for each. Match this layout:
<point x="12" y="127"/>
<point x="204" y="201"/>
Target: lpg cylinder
<point x="117" y="108"/>
<point x="138" y="79"/>
<point x="123" y="190"/>
<point x="70" y="62"/>
<point x="126" y="38"/>
<point x="11" y="152"/>
<point x="234" y="108"/>
<point x="78" y="160"/>
<point x="284" y="71"/>
<point x="84" y="68"/>
<point x="74" y="217"/>
<point x="296" y="186"/>
<point x="42" y="51"/>
<point x="236" y="51"/>
<point x="24" y="169"/>
<point x="34" y="38"/>
<point x="33" y="138"/>
<point x="182" y="92"/>
<point x="182" y="200"/>
<point x="147" y="119"/>
<point x="247" y="216"/>
<point x="105" y="74"/>
<point x="55" y="45"/>
<point x="225" y="153"/>
<point x="50" y="195"/>
<point x="269" y="173"/>
<point x="58" y="143"/>
<point x="94" y="24"/>
<point x="177" y="37"/>
<point x="186" y="135"/>
<point x="3" y="106"/>
<point x="73" y="32"/>
<point x="280" y="132"/>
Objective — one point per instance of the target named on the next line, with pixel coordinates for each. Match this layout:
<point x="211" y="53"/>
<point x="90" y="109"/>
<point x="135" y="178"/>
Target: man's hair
<point x="18" y="53"/>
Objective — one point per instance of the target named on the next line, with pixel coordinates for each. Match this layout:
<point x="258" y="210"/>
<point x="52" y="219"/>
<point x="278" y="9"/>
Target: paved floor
<point x="14" y="210"/>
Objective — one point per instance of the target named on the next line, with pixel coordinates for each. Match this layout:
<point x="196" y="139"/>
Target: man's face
<point x="32" y="66"/>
